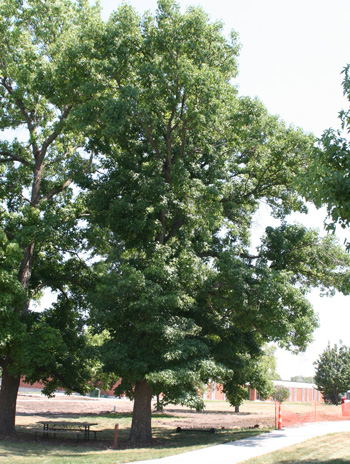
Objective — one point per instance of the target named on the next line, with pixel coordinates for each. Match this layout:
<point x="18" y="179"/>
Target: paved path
<point x="241" y="450"/>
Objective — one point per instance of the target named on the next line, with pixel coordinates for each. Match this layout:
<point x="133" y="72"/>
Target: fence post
<point x="116" y="436"/>
<point x="279" y="417"/>
<point x="275" y="415"/>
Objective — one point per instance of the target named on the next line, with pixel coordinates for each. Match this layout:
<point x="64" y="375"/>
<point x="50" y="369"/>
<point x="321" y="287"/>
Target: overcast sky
<point x="292" y="56"/>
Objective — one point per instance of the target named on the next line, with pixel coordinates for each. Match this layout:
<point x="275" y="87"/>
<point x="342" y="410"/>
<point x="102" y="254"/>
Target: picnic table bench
<point x="54" y="432"/>
<point x="79" y="429"/>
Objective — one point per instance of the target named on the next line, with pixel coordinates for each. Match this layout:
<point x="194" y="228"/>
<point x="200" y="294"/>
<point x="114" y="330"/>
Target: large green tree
<point x="186" y="164"/>
<point x="333" y="373"/>
<point x="44" y="86"/>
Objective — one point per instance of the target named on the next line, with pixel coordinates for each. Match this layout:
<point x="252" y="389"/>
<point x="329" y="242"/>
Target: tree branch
<point x="67" y="183"/>
<point x="55" y="133"/>
<point x="177" y="224"/>
<point x="12" y="157"/>
<point x="20" y="105"/>
<point x="150" y="138"/>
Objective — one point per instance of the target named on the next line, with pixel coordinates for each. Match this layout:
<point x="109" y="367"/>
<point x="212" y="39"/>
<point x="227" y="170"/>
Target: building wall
<point x="299" y="392"/>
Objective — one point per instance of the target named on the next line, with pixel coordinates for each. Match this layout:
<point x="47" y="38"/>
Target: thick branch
<point x="55" y="133"/>
<point x="161" y="236"/>
<point x="66" y="184"/>
<point x="177" y="224"/>
<point x="183" y="141"/>
<point x="11" y="157"/>
<point x="57" y="190"/>
<point x="9" y="235"/>
<point x="21" y="106"/>
<point x="150" y="138"/>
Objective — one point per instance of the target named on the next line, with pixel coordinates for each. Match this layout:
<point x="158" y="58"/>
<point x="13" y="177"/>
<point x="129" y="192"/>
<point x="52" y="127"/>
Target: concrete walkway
<point x="241" y="450"/>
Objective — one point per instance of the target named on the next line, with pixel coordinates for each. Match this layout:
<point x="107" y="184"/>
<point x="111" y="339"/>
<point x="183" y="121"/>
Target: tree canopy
<point x="185" y="164"/>
<point x="42" y="89"/>
<point x="169" y="165"/>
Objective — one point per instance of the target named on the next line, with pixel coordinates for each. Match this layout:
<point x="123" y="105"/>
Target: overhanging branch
<point x="10" y="157"/>
<point x="67" y="183"/>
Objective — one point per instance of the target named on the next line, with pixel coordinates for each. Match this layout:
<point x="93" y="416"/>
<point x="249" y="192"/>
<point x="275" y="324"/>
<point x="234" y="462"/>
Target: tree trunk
<point x="8" y="400"/>
<point x="236" y="408"/>
<point x="159" y="405"/>
<point x="141" y="431"/>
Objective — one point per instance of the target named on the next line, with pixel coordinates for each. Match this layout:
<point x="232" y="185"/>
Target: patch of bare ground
<point x="217" y="414"/>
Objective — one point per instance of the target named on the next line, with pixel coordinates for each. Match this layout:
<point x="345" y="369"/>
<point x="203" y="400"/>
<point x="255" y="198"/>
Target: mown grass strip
<point x="330" y="449"/>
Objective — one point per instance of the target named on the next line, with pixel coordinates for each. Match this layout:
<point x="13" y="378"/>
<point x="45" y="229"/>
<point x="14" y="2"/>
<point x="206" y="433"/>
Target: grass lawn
<point x="330" y="449"/>
<point x="24" y="450"/>
<point x="218" y="414"/>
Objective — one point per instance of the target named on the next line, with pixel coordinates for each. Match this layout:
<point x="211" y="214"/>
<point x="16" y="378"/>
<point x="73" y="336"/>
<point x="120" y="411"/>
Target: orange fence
<point x="294" y="414"/>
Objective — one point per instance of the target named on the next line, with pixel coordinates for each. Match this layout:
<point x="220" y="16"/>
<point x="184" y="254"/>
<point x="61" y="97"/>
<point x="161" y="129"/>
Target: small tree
<point x="280" y="393"/>
<point x="333" y="373"/>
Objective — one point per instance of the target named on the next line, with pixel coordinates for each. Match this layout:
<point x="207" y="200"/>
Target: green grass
<point x="330" y="449"/>
<point x="24" y="450"/>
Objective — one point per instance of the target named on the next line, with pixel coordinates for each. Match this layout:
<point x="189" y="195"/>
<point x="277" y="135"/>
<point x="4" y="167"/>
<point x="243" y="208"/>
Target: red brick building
<point x="299" y="392"/>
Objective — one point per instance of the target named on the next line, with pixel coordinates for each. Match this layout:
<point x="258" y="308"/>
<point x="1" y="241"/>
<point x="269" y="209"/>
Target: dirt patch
<point x="217" y="414"/>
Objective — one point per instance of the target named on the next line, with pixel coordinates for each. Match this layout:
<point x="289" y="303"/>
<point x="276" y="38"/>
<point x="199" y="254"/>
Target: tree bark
<point x="141" y="431"/>
<point x="8" y="400"/>
<point x="10" y="383"/>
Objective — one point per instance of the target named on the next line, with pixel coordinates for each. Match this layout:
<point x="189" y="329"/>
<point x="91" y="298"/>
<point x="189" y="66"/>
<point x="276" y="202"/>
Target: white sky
<point x="292" y="56"/>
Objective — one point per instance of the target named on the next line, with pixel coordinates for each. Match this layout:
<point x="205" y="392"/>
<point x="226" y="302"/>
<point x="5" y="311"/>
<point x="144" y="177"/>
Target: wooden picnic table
<point x="68" y="426"/>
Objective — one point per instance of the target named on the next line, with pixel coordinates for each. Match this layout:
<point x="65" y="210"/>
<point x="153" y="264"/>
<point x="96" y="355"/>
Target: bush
<point x="280" y="393"/>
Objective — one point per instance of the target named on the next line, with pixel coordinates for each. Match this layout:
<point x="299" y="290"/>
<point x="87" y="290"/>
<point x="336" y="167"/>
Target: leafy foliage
<point x="258" y="371"/>
<point x="44" y="83"/>
<point x="184" y="165"/>
<point x="327" y="181"/>
<point x="280" y="393"/>
<point x="300" y="378"/>
<point x="333" y="373"/>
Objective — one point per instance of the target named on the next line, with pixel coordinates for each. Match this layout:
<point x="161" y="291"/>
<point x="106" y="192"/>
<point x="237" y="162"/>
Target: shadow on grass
<point x="22" y="443"/>
<point x="26" y="448"/>
<point x="192" y="438"/>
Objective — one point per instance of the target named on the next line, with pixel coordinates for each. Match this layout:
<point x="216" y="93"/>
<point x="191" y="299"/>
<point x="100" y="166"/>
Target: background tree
<point x="44" y="82"/>
<point x="333" y="373"/>
<point x="300" y="378"/>
<point x="185" y="165"/>
<point x="280" y="393"/>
